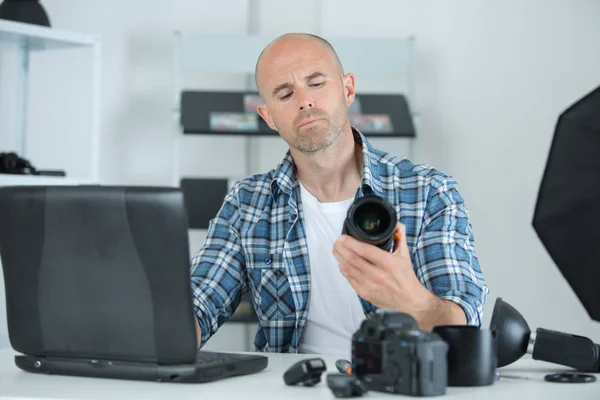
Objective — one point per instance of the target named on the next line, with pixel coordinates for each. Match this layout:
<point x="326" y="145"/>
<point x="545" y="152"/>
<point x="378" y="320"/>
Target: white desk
<point x="268" y="384"/>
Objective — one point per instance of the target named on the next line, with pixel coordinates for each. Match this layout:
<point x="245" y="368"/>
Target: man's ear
<point x="349" y="91"/>
<point x="263" y="111"/>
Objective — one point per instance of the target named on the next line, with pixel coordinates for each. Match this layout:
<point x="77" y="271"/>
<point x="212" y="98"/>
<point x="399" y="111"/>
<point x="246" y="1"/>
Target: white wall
<point x="492" y="79"/>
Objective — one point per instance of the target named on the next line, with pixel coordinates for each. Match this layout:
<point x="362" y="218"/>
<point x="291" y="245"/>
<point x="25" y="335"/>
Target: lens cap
<point x="570" y="377"/>
<point x="471" y="354"/>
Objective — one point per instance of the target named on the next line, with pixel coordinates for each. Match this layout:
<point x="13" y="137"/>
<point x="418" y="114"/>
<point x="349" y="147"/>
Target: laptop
<point x="97" y="282"/>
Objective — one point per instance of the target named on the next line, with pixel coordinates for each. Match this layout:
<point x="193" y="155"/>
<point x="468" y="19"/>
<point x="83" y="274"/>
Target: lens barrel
<point x="371" y="219"/>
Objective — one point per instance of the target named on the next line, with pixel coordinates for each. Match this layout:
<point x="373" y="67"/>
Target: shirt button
<point x="267" y="261"/>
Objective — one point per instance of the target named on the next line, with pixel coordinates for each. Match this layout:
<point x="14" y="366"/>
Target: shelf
<point x="245" y="311"/>
<point x="198" y="109"/>
<point x="244" y="318"/>
<point x="208" y="192"/>
<point x="22" y="180"/>
<point x="15" y="35"/>
<point x="23" y="39"/>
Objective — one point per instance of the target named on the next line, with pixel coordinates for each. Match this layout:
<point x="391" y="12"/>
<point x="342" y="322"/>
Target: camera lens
<point x="372" y="219"/>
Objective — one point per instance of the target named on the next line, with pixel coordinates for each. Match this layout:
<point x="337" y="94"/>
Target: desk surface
<point x="268" y="384"/>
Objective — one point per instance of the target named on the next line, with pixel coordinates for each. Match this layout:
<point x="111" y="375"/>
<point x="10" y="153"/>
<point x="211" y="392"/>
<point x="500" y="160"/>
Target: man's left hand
<point x="385" y="279"/>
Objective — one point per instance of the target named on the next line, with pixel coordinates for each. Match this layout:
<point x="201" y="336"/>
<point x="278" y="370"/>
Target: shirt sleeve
<point x="218" y="274"/>
<point x="445" y="257"/>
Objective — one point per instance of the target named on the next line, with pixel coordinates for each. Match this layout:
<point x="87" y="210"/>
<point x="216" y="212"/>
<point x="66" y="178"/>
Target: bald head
<point x="305" y="91"/>
<point x="293" y="42"/>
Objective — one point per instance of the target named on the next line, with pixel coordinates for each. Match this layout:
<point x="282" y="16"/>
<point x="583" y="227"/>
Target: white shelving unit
<point x="24" y="39"/>
<point x="19" y="180"/>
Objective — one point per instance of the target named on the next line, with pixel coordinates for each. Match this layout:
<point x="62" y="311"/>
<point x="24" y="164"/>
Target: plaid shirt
<point x="257" y="242"/>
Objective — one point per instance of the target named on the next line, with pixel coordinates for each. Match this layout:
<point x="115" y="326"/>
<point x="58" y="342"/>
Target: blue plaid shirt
<point x="257" y="242"/>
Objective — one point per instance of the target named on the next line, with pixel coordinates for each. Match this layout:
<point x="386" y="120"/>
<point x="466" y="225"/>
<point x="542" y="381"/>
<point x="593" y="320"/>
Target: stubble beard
<point x="319" y="137"/>
<point x="314" y="139"/>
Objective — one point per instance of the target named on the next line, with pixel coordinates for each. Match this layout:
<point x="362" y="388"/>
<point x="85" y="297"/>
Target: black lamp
<point x="515" y="339"/>
<point x="27" y="11"/>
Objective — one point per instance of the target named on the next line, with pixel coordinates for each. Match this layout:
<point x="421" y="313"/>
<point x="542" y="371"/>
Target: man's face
<point x="306" y="97"/>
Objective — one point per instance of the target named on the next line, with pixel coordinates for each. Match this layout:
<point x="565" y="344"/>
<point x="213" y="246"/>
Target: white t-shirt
<point x="334" y="312"/>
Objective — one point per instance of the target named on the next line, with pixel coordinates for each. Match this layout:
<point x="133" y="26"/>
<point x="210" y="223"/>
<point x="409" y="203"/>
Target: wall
<point x="492" y="78"/>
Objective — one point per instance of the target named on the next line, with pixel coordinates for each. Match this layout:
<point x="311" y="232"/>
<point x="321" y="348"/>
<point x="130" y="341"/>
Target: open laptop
<point x="97" y="283"/>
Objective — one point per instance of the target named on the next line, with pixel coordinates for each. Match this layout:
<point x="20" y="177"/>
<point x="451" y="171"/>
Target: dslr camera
<point x="391" y="354"/>
<point x="372" y="219"/>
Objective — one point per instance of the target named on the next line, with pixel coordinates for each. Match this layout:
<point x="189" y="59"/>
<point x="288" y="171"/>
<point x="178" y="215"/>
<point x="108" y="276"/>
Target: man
<point x="278" y="234"/>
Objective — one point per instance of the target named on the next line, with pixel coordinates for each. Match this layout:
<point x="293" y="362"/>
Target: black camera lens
<point x="372" y="219"/>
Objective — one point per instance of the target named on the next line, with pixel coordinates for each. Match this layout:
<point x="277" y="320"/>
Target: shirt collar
<point x="284" y="176"/>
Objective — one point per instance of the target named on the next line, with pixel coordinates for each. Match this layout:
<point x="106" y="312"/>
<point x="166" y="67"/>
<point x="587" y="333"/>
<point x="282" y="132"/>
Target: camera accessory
<point x="570" y="377"/>
<point x="306" y="372"/>
<point x="372" y="219"/>
<point x="344" y="385"/>
<point x="471" y="354"/>
<point x="514" y="339"/>
<point x="11" y="163"/>
<point x="344" y="366"/>
<point x="505" y="376"/>
<point x="390" y="354"/>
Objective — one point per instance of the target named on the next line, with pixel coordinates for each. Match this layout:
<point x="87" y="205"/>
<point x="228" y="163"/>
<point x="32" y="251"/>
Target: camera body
<point x="390" y="354"/>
